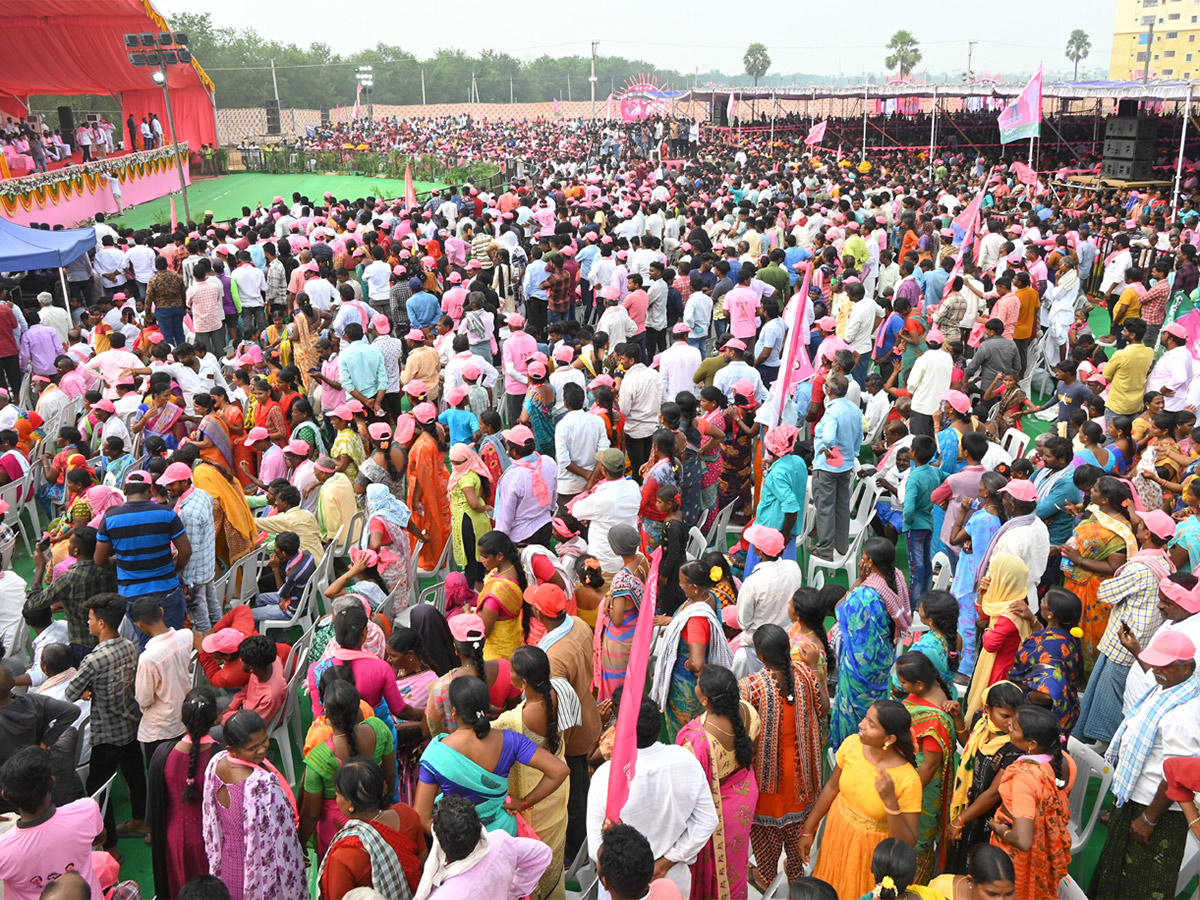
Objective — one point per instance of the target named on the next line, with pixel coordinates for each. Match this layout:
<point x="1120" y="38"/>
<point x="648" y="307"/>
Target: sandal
<point x="759" y="885"/>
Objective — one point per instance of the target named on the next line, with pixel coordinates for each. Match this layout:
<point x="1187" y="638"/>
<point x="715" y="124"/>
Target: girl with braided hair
<point x="174" y="816"/>
<point x="790" y="702"/>
<point x="549" y="707"/>
<point x="722" y="740"/>
<point x="468" y="633"/>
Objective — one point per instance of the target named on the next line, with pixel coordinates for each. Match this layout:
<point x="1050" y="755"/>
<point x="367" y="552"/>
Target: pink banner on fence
<point x="624" y="755"/>
<point x="78" y="209"/>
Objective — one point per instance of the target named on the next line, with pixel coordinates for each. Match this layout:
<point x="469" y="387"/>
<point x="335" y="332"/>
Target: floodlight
<point x="131" y="40"/>
<point x="153" y="59"/>
<point x="164" y="38"/>
<point x="136" y="59"/>
<point x="158" y="77"/>
<point x="181" y="37"/>
<point x="147" y="39"/>
<point x="185" y="56"/>
<point x="169" y="57"/>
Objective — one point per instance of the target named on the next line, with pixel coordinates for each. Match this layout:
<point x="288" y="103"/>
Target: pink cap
<point x="342" y="412"/>
<point x="425" y="412"/>
<point x="381" y="324"/>
<point x="298" y="447"/>
<point x="564" y="354"/>
<point x="1021" y="490"/>
<point x="466" y="628"/>
<point x="744" y="386"/>
<point x="472" y="371"/>
<point x="590" y="236"/>
<point x="827" y="323"/>
<point x="935" y="336"/>
<point x="536" y="370"/>
<point x="454" y="278"/>
<point x="516" y="320"/>
<point x="735" y="344"/>
<point x="947" y="232"/>
<point x="105" y="406"/>
<point x="416" y="388"/>
<point x="680" y="328"/>
<point x="399" y="271"/>
<point x="609" y="293"/>
<point x="1176" y="330"/>
<point x="519" y="435"/>
<point x="766" y="540"/>
<point x="1159" y="523"/>
<point x="157" y="337"/>
<point x="176" y="472"/>
<point x="957" y="400"/>
<point x="456" y="395"/>
<point x="406" y="427"/>
<point x="601" y="380"/>
<point x="379" y="431"/>
<point x="355" y="406"/>
<point x="1168" y="647"/>
<point x="729" y="616"/>
<point x="474" y="264"/>
<point x="415" y="334"/>
<point x="255" y="435"/>
<point x="227" y="640"/>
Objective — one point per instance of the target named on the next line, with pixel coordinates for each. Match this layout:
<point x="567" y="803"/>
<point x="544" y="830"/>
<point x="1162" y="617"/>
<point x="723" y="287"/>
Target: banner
<point x="729" y="110"/>
<point x="557" y="107"/>
<point x="1024" y="173"/>
<point x="357" y="107"/>
<point x="966" y="223"/>
<point x="339" y="114"/>
<point x="1191" y="321"/>
<point x="174" y="217"/>
<point x="624" y="755"/>
<point x="410" y="194"/>
<point x="1023" y="117"/>
<point x="794" y="352"/>
<point x="816" y="135"/>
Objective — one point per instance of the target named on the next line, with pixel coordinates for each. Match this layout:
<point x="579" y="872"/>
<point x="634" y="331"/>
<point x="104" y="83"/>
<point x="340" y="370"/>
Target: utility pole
<point x="568" y="87"/>
<point x="592" y="79"/>
<point x="970" y="53"/>
<point x="510" y="89"/>
<point x="1148" y="20"/>
<point x="275" y="84"/>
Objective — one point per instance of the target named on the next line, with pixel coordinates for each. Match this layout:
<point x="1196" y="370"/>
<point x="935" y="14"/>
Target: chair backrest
<point x="102" y="795"/>
<point x="1069" y="890"/>
<point x="435" y="594"/>
<point x="717" y="532"/>
<point x="348" y="535"/>
<point x="778" y="888"/>
<point x="696" y="544"/>
<point x="941" y="571"/>
<point x="1014" y="443"/>
<point x="1088" y="765"/>
<point x="862" y="502"/>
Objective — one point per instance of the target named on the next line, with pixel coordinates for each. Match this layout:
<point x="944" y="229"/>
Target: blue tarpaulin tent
<point x="22" y="249"/>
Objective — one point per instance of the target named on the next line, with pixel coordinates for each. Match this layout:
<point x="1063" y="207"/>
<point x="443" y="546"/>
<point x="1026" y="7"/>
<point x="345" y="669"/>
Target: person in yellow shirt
<point x="1129" y="304"/>
<point x="1126" y="371"/>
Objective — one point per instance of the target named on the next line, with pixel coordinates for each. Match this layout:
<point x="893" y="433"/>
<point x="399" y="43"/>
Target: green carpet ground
<point x="226" y="195"/>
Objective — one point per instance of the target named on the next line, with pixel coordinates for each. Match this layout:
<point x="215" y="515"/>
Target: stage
<point x="73" y="195"/>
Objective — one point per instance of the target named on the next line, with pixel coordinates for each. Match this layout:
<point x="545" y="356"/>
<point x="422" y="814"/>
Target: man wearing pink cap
<point x="928" y="380"/>
<point x="766" y="594"/>
<point x="738" y="369"/>
<point x="514" y="360"/>
<point x="272" y="465"/>
<point x="1023" y="535"/>
<point x="391" y="348"/>
<point x="112" y="425"/>
<point x="423" y="364"/>
<point x="1172" y="374"/>
<point x="525" y="493"/>
<point x="195" y="509"/>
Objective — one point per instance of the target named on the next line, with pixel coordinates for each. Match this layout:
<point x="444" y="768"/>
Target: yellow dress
<point x="504" y="597"/>
<point x="856" y="823"/>
<point x="942" y="887"/>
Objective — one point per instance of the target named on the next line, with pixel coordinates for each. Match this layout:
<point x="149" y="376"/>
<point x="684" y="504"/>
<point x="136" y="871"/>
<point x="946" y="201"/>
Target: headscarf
<point x="985" y="738"/>
<point x="1009" y="583"/>
<point x="79" y="461"/>
<point x="383" y="504"/>
<point x="781" y="439"/>
<point x="467" y="461"/>
<point x="430" y="626"/>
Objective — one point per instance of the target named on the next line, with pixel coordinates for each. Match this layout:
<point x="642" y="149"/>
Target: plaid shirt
<point x="196" y="513"/>
<point x="558" y="290"/>
<point x="276" y="283"/>
<point x="109" y="672"/>
<point x="72" y="589"/>
<point x="1154" y="303"/>
<point x="1136" y="592"/>
<point x="399" y="296"/>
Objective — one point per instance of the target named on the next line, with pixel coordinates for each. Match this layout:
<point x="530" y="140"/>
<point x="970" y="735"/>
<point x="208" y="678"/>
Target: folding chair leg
<point x="285" y="753"/>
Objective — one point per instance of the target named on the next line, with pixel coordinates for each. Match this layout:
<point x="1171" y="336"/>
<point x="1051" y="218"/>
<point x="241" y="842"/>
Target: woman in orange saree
<point x="211" y="436"/>
<point x="429" y="487"/>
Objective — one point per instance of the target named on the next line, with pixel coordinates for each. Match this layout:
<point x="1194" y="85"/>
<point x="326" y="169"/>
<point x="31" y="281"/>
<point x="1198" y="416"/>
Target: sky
<point x="1013" y="37"/>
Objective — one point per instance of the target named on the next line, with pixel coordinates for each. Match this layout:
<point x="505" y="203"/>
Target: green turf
<point x="226" y="195"/>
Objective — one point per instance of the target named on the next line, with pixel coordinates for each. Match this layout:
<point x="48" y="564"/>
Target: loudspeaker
<point x="1129" y="144"/>
<point x="1127" y="169"/>
<point x="720" y="116"/>
<point x="272" y="107"/>
<point x="1127" y="108"/>
<point x="324" y="116"/>
<point x="66" y="124"/>
<point x="1136" y="127"/>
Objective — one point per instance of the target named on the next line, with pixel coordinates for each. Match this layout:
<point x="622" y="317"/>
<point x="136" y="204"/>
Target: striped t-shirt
<point x="141" y="532"/>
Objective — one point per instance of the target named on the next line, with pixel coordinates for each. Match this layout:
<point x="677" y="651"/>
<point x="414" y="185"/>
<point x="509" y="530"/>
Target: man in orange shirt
<point x="1030" y="302"/>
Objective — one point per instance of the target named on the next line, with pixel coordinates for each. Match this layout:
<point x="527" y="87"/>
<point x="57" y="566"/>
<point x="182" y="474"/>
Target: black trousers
<point x="535" y="316"/>
<point x="12" y="375"/>
<point x="577" y="805"/>
<point x="639" y="454"/>
<point x="656" y="339"/>
<point x="106" y="759"/>
<point x="919" y="423"/>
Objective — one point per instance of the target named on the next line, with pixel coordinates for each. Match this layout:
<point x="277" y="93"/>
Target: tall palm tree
<point x="1078" y="45"/>
<point x="757" y="61"/>
<point x="905" y="52"/>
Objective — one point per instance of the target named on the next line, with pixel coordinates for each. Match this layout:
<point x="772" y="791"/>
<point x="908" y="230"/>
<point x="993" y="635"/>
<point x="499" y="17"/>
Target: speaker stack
<point x="1129" y="143"/>
<point x="273" y="127"/>
<point x="66" y="124"/>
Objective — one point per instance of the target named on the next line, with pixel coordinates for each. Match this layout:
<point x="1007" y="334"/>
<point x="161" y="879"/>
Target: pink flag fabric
<point x="795" y="352"/>
<point x="1024" y="173"/>
<point x="1191" y="322"/>
<point x="624" y="756"/>
<point x="174" y="217"/>
<point x="410" y="194"/>
<point x="816" y="135"/>
<point x="966" y="223"/>
<point x="339" y="114"/>
<point x="732" y="107"/>
<point x="357" y="106"/>
<point x="557" y="107"/>
<point x="1023" y="117"/>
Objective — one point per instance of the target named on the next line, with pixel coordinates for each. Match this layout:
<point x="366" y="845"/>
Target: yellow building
<point x="1175" y="50"/>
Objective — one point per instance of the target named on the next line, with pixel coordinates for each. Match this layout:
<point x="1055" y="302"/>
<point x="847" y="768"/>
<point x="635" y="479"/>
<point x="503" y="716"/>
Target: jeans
<point x="920" y="571"/>
<point x="831" y="493"/>
<point x="212" y="340"/>
<point x="556" y="315"/>
<point x="577" y="806"/>
<point x="657" y="338"/>
<point x="170" y="321"/>
<point x="752" y="558"/>
<point x="174" y="614"/>
<point x="512" y="407"/>
<point x="106" y="759"/>
<point x="254" y="321"/>
<point x="859" y="373"/>
<point x="267" y="608"/>
<point x="202" y="605"/>
<point x="768" y="374"/>
<point x="699" y="343"/>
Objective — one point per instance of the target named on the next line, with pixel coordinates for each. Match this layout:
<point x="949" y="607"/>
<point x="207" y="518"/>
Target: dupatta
<point x="490" y="788"/>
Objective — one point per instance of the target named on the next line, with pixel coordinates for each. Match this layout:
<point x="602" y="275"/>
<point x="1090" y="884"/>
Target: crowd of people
<point x="616" y="395"/>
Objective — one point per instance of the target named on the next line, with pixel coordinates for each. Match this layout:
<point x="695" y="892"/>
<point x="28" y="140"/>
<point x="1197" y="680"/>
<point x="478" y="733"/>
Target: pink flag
<point x="1024" y="173"/>
<point x="608" y="107"/>
<point x="1191" y="322"/>
<point x="731" y="108"/>
<point x="816" y="135"/>
<point x="410" y="194"/>
<point x="557" y="107"/>
<point x="357" y="107"/>
<point x="1023" y="117"/>
<point x="339" y="114"/>
<point x="795" y="351"/>
<point x="624" y="755"/>
<point x="174" y="218"/>
<point x="966" y="223"/>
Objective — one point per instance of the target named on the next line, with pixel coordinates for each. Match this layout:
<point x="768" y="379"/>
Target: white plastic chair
<point x="697" y="543"/>
<point x="302" y="612"/>
<point x="862" y="509"/>
<point x="777" y="889"/>
<point x="239" y="593"/>
<point x="435" y="594"/>
<point x="1014" y="443"/>
<point x="863" y="498"/>
<point x="102" y="795"/>
<point x="941" y="571"/>
<point x="280" y="729"/>
<point x="16" y="494"/>
<point x="347" y="535"/>
<point x="716" y="534"/>
<point x="1069" y="890"/>
<point x="1088" y="765"/>
<point x="441" y="570"/>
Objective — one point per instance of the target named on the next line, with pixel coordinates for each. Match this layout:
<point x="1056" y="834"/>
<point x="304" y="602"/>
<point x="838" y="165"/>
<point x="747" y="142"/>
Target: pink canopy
<point x="77" y="47"/>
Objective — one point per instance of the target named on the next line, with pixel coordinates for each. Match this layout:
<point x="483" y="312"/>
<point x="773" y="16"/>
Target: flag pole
<point x="866" y="88"/>
<point x="1187" y="111"/>
<point x="932" y="131"/>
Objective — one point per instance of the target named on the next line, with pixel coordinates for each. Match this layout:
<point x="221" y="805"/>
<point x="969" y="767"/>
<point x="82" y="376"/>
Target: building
<point x="1175" y="50"/>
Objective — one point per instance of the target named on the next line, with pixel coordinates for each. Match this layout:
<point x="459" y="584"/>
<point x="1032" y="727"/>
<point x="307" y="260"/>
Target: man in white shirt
<point x="669" y="801"/>
<point x="738" y="370"/>
<point x="613" y="501"/>
<point x="156" y="127"/>
<point x="111" y="264"/>
<point x="54" y="316"/>
<point x="615" y="321"/>
<point x="1172" y="374"/>
<point x="766" y="594"/>
<point x="640" y="398"/>
<point x="195" y="373"/>
<point x="141" y="258"/>
<point x="860" y="329"/>
<point x="1115" y="266"/>
<point x="378" y="277"/>
<point x="928" y="381"/>
<point x="678" y="363"/>
<point x="579" y="439"/>
<point x="252" y="289"/>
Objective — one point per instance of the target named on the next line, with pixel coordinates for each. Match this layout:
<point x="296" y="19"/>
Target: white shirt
<point x="617" y="324"/>
<point x="640" y="398"/>
<point x="1178" y="734"/>
<point x="452" y="375"/>
<point x="111" y="261"/>
<point x="860" y="326"/>
<point x="766" y="596"/>
<point x="320" y="293"/>
<point x="578" y="437"/>
<point x="669" y="802"/>
<point x="678" y="363"/>
<point x="142" y="259"/>
<point x="114" y="428"/>
<point x="929" y="379"/>
<point x="57" y="318"/>
<point x="1174" y="371"/>
<point x="1031" y="544"/>
<point x="196" y="382"/>
<point x="378" y="278"/>
<point x="879" y="405"/>
<point x="610" y="503"/>
<point x="740" y="370"/>
<point x="565" y="374"/>
<point x="1114" y="272"/>
<point x="251" y="284"/>
<point x="1137" y="682"/>
<point x="56" y="633"/>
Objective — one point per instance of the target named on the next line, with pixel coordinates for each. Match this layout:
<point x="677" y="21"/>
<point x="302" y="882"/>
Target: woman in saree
<point x="692" y="639"/>
<point x="549" y="706"/>
<point x="305" y="328"/>
<point x="986" y="751"/>
<point x="211" y="436"/>
<point x="867" y="630"/>
<point x="604" y="405"/>
<point x="287" y="386"/>
<point x="664" y="469"/>
<point x="77" y="510"/>
<point x="235" y="420"/>
<point x="1184" y="547"/>
<point x="470" y="492"/>
<point x="949" y="425"/>
<point x="976" y="524"/>
<point x="474" y="761"/>
<point x="1049" y="665"/>
<point x="164" y="415"/>
<point x="538" y="410"/>
<point x="618" y="612"/>
<point x="467" y="632"/>
<point x="304" y="425"/>
<point x="347" y="450"/>
<point x="429" y="486"/>
<point x="502" y="599"/>
<point x="912" y="338"/>
<point x="1153" y="404"/>
<point x="1101" y="544"/>
<point x="940" y="642"/>
<point x="385" y="461"/>
<point x="1007" y="412"/>
<point x="722" y="740"/>
<point x="389" y="526"/>
<point x="712" y="409"/>
<point x="268" y="413"/>
<point x="414" y="665"/>
<point x="737" y="454"/>
<point x="1004" y="587"/>
<point x="352" y="736"/>
<point x="237" y="533"/>
<point x="790" y="703"/>
<point x="1094" y="453"/>
<point x="934" y="741"/>
<point x="115" y="461"/>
